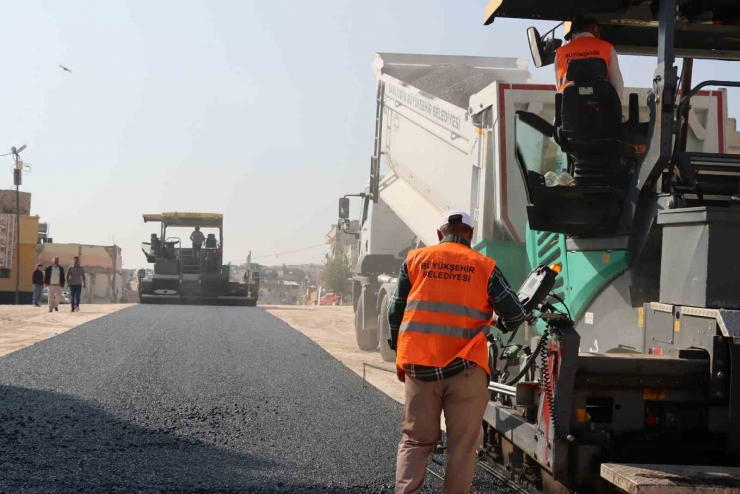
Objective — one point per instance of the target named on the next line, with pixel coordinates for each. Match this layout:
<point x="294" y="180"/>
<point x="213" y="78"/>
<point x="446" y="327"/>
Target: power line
<point x="286" y="252"/>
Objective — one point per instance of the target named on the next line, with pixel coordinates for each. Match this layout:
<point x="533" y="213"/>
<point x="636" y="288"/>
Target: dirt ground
<point x="24" y="325"/>
<point x="332" y="328"/>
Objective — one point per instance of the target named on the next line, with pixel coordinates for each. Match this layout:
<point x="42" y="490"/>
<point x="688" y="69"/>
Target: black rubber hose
<point x="530" y="361"/>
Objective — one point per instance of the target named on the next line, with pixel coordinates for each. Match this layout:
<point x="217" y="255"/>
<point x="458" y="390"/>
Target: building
<point x="280" y="292"/>
<point x="29" y="244"/>
<point x="343" y="243"/>
<point x="104" y="275"/>
<point x="733" y="141"/>
<point x="289" y="285"/>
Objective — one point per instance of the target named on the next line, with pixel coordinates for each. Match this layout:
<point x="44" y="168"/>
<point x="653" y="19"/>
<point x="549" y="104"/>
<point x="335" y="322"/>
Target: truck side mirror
<point x="344" y="208"/>
<point x="543" y="51"/>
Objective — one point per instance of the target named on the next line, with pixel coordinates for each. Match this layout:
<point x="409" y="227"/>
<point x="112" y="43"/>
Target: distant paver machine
<point x="187" y="275"/>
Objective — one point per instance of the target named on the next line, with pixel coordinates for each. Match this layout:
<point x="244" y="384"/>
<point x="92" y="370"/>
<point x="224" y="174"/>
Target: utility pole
<point x="17" y="179"/>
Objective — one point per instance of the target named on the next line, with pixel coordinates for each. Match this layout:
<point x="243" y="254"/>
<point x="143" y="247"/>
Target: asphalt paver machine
<point x="188" y="274"/>
<point x="638" y="390"/>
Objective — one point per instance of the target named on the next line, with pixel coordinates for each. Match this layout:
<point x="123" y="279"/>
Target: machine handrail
<point x="685" y="101"/>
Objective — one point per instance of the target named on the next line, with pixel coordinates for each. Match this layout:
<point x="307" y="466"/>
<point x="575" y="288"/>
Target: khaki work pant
<point x="55" y="296"/>
<point x="463" y="398"/>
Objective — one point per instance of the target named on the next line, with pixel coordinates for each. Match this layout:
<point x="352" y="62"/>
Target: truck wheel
<point x="367" y="340"/>
<point x="384" y="332"/>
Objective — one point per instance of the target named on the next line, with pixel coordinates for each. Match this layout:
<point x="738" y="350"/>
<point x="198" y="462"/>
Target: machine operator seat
<point x="589" y="130"/>
<point x="588" y="126"/>
<point x="211" y="242"/>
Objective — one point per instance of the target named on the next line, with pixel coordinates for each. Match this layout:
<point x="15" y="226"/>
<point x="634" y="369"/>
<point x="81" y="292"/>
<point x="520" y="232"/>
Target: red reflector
<point x="656" y="351"/>
<point x="651" y="420"/>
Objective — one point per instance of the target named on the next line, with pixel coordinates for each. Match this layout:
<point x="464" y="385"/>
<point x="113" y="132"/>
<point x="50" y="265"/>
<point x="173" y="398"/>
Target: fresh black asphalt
<point x="192" y="399"/>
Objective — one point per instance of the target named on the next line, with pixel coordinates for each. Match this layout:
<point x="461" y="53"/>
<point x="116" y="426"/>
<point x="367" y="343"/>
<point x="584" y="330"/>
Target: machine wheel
<point x="384" y="331"/>
<point x="367" y="340"/>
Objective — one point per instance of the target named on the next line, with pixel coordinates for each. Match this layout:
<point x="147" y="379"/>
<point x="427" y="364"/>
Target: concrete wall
<point x="8" y="202"/>
<point x="103" y="269"/>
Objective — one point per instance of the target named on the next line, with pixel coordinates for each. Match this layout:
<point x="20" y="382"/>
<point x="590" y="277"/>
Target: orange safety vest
<point x="586" y="47"/>
<point x="448" y="314"/>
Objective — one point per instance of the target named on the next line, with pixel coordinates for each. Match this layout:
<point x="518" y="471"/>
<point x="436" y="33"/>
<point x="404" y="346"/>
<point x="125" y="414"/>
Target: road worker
<point x="585" y="42"/>
<point x="197" y="238"/>
<point x="439" y="317"/>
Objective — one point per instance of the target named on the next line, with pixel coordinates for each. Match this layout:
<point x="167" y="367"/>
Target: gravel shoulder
<point x="25" y="325"/>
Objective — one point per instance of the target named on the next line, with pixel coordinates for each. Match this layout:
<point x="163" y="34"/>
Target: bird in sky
<point x="64" y="68"/>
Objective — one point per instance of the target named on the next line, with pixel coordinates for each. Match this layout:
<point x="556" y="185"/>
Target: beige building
<point x="343" y="243"/>
<point x="103" y="269"/>
<point x="733" y="137"/>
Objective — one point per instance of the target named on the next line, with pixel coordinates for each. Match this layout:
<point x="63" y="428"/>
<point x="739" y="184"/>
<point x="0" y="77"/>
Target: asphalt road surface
<point x="192" y="399"/>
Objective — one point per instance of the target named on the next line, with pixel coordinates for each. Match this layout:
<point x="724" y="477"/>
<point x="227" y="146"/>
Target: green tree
<point x="336" y="275"/>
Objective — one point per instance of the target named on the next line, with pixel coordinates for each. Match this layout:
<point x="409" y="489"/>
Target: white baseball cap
<point x="464" y="218"/>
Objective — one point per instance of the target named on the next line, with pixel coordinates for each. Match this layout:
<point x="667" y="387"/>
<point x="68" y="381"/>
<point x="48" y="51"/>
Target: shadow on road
<point x="52" y="442"/>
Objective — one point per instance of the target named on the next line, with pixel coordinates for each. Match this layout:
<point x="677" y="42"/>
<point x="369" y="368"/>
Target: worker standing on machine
<point x="585" y="42"/>
<point x="197" y="238"/>
<point x="439" y="317"/>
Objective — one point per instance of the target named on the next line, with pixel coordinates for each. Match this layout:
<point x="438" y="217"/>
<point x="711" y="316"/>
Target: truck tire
<point x="367" y="340"/>
<point x="384" y="331"/>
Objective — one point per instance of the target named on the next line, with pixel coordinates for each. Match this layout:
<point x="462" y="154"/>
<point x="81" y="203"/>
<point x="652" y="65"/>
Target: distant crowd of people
<point x="54" y="277"/>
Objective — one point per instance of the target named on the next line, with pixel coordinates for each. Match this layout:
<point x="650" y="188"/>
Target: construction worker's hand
<point x="393" y="339"/>
<point x="401" y="375"/>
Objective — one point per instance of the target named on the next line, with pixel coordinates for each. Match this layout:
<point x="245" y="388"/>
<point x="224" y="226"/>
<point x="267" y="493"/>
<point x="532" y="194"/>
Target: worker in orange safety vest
<point x="585" y="42"/>
<point x="439" y="317"/>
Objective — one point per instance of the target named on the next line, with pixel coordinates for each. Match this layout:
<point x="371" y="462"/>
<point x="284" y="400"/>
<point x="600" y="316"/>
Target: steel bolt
<point x="571" y="437"/>
<point x="720" y="375"/>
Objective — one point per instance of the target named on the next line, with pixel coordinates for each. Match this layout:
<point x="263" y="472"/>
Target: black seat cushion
<point x="591" y="108"/>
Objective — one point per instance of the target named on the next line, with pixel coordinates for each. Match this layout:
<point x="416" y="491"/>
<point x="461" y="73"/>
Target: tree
<point x="336" y="275"/>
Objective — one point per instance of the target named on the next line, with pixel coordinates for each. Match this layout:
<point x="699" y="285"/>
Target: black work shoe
<point x="56" y="309"/>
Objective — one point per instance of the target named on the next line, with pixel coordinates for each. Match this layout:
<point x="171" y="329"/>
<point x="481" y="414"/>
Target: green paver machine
<point x="192" y="275"/>
<point x="637" y="387"/>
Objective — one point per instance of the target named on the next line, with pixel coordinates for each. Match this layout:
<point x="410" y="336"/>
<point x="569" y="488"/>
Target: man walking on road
<point x="76" y="281"/>
<point x="439" y="317"/>
<point x="54" y="280"/>
<point x="38" y="284"/>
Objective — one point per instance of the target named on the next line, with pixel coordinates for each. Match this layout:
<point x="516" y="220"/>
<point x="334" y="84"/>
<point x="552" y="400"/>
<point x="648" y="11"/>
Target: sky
<point x="260" y="110"/>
